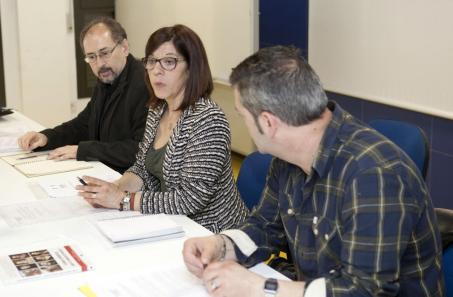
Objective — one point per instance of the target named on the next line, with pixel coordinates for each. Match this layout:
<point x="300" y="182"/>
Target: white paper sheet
<point x="145" y="227"/>
<point x="45" y="210"/>
<point x="58" y="188"/>
<point x="9" y="132"/>
<point x="174" y="281"/>
<point x="9" y="144"/>
<point x="169" y="282"/>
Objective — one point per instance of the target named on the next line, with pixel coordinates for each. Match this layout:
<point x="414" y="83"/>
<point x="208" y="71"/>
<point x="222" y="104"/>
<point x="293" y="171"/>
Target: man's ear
<point x="269" y="123"/>
<point x="125" y="46"/>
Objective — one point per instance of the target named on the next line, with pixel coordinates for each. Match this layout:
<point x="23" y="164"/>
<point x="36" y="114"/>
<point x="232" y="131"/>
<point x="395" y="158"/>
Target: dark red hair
<point x="189" y="46"/>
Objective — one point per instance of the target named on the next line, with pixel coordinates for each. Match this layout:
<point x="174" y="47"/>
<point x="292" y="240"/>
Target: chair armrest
<point x="445" y="224"/>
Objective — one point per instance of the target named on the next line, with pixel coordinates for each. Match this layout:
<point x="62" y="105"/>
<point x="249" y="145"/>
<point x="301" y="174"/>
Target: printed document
<point x="167" y="282"/>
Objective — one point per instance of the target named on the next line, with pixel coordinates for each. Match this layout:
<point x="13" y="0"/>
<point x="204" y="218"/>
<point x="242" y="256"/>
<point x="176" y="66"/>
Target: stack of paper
<point x="137" y="229"/>
<point x="8" y="138"/>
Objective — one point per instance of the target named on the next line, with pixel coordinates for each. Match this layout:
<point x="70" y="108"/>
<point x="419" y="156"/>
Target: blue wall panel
<point x="284" y="22"/>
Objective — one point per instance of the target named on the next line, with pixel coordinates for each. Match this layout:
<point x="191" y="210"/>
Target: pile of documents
<point x="136" y="229"/>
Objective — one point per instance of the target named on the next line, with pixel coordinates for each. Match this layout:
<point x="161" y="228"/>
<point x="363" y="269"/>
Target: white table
<point x="106" y="260"/>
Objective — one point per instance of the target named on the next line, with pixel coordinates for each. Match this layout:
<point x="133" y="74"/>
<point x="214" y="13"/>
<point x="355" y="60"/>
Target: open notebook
<point x="37" y="164"/>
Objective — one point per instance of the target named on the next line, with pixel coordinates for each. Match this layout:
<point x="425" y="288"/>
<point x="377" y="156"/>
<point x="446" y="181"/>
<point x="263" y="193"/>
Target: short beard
<point x="110" y="80"/>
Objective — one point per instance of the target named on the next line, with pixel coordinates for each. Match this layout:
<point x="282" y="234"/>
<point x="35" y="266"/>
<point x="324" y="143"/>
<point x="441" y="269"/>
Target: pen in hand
<point x="82" y="181"/>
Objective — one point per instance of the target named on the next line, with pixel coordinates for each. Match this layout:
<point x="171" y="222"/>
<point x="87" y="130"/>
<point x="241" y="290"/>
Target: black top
<point x="111" y="126"/>
<point x="154" y="163"/>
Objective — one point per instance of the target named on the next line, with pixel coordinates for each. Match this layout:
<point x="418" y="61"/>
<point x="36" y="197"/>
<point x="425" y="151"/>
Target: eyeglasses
<point x="167" y="63"/>
<point x="103" y="54"/>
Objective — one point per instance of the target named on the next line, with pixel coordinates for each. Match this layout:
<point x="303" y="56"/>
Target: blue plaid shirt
<point x="363" y="218"/>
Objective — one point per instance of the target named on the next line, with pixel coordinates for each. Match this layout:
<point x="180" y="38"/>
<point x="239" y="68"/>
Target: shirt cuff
<point x="242" y="241"/>
<point x="317" y="288"/>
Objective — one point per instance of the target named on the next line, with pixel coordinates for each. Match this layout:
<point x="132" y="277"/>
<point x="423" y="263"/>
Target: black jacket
<point x="114" y="142"/>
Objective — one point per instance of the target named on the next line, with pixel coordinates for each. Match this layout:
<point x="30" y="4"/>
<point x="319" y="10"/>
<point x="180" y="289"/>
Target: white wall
<point x="40" y="75"/>
<point x="11" y="59"/>
<point x="393" y="52"/>
<point x="39" y="50"/>
<point x="241" y="142"/>
<point x="228" y="28"/>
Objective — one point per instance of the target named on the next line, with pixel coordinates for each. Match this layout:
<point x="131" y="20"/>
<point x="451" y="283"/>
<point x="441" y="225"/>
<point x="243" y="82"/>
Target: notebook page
<point x="26" y="157"/>
<point x="46" y="167"/>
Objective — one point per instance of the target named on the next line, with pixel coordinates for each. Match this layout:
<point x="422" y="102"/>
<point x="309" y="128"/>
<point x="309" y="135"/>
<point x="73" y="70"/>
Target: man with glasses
<point x="112" y="124"/>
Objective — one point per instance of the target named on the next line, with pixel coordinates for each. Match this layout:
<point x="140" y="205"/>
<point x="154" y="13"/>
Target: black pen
<point x="27" y="157"/>
<point x="82" y="181"/>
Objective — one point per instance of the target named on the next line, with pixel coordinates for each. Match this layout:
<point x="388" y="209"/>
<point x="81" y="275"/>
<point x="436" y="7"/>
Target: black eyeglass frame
<point x="101" y="54"/>
<point x="147" y="60"/>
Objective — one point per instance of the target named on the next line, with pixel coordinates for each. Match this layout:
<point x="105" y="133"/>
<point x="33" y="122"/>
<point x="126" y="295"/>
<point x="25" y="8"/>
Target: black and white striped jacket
<point x="196" y="169"/>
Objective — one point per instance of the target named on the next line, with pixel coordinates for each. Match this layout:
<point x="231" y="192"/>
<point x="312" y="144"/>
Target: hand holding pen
<point x="84" y="183"/>
<point x="100" y="193"/>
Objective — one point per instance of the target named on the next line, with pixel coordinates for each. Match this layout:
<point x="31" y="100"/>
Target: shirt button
<point x="326" y="236"/>
<point x="290" y="211"/>
<point x="315" y="231"/>
<point x="332" y="272"/>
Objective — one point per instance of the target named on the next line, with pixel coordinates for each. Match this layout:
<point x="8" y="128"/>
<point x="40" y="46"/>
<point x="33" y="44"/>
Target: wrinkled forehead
<point x="97" y="38"/>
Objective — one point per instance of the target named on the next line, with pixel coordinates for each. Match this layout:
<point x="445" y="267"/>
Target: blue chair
<point x="252" y="177"/>
<point x="410" y="138"/>
<point x="447" y="266"/>
<point x="413" y="141"/>
<point x="445" y="224"/>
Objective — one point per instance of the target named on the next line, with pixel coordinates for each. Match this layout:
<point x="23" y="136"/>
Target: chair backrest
<point x="410" y="138"/>
<point x="252" y="177"/>
<point x="447" y="266"/>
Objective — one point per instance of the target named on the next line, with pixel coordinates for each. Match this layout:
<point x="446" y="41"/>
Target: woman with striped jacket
<point x="184" y="161"/>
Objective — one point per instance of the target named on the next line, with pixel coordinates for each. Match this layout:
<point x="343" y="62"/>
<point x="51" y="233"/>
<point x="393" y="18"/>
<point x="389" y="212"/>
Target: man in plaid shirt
<point x="346" y="204"/>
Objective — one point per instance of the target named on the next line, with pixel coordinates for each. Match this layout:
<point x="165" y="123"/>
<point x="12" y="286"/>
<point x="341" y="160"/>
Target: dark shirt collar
<point x="330" y="137"/>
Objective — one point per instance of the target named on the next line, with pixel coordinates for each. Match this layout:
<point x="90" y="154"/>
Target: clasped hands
<point x="100" y="193"/>
<point x="222" y="278"/>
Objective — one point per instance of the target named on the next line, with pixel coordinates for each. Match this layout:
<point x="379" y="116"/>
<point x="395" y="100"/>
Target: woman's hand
<point x="100" y="193"/>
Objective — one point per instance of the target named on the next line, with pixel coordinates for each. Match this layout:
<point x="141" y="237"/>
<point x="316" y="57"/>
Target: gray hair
<point x="279" y="80"/>
<point x="116" y="30"/>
